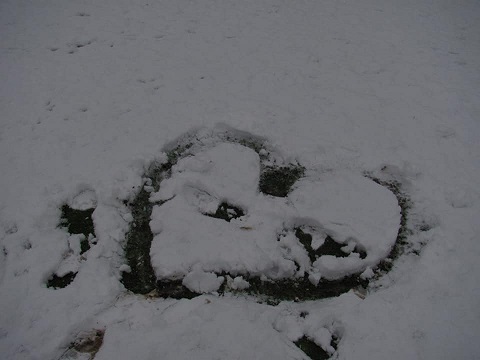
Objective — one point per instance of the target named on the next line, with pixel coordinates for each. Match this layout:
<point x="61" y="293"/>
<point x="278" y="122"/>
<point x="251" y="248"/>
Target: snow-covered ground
<point x="92" y="92"/>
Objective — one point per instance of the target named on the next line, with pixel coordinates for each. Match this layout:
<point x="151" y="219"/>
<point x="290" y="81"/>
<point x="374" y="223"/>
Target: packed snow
<point x="93" y="93"/>
<point x="353" y="210"/>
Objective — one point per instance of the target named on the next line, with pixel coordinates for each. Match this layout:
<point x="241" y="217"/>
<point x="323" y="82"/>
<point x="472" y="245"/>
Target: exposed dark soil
<point x="301" y="289"/>
<point x="78" y="222"/>
<point x="272" y="292"/>
<point x="227" y="212"/>
<point x="329" y="247"/>
<point x="174" y="289"/>
<point x="312" y="350"/>
<point x="58" y="282"/>
<point x="141" y="279"/>
<point x="278" y="181"/>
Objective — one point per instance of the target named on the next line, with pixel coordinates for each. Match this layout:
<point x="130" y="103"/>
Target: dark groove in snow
<point x="312" y="350"/>
<point x="59" y="282"/>
<point x="403" y="232"/>
<point x="78" y="222"/>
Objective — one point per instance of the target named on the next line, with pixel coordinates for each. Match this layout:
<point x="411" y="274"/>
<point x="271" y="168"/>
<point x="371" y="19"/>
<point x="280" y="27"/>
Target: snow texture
<point x="349" y="207"/>
<point x="94" y="92"/>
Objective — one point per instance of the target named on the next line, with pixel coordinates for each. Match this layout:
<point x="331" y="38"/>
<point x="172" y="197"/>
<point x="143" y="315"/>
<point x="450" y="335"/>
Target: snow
<point x="92" y="93"/>
<point x="86" y="199"/>
<point x="352" y="209"/>
<point x="198" y="185"/>
<point x="238" y="283"/>
<point x="124" y="268"/>
<point x="367" y="274"/>
<point x="202" y="282"/>
<point x="228" y="172"/>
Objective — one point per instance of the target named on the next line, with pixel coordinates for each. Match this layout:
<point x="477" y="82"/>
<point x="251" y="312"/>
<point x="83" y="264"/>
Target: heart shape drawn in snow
<point x="224" y="210"/>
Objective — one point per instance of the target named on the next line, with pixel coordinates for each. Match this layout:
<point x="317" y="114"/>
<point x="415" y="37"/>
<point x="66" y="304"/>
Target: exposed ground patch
<point x="78" y="222"/>
<point x="329" y="247"/>
<point x="173" y="289"/>
<point x="403" y="232"/>
<point x="227" y="212"/>
<point x="75" y="222"/>
<point x="277" y="181"/>
<point x="59" y="282"/>
<point x="312" y="350"/>
<point x="300" y="289"/>
<point x="141" y="277"/>
<point x="269" y="291"/>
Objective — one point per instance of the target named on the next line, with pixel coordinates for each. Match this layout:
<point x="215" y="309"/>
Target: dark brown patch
<point x="227" y="212"/>
<point x="78" y="222"/>
<point x="278" y="181"/>
<point x="59" y="282"/>
<point x="90" y="343"/>
<point x="312" y="350"/>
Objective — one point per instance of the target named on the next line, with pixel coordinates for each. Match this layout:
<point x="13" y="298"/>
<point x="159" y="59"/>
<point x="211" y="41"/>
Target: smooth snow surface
<point x="93" y="92"/>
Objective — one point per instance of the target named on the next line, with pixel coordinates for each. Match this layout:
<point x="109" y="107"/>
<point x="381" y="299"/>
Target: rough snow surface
<point x="354" y="211"/>
<point x="93" y="92"/>
<point x="351" y="208"/>
<point x="238" y="283"/>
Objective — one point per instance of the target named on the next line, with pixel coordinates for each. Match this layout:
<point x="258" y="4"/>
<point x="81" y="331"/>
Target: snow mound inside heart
<point x="354" y="211"/>
<point x="348" y="207"/>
